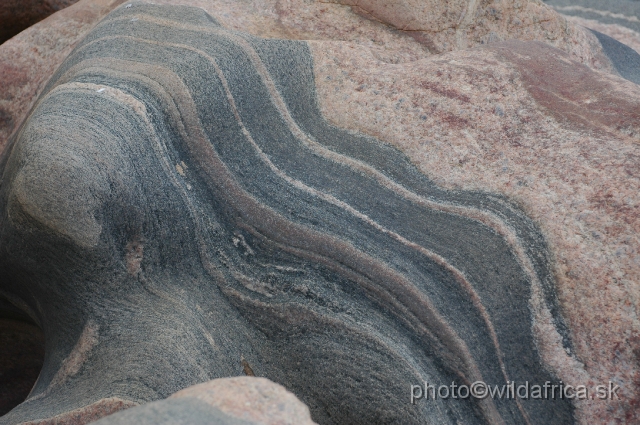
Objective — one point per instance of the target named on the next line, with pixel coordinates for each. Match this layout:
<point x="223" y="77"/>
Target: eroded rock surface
<point x="345" y="216"/>
<point x="29" y="59"/>
<point x="522" y="119"/>
<point x="187" y="169"/>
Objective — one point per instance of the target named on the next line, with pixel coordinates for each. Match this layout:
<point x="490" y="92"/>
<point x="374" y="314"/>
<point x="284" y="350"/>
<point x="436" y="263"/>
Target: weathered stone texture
<point x="396" y="195"/>
<point x="523" y="119"/>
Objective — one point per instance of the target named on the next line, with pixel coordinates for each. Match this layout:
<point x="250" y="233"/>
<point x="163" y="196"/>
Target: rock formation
<point x="232" y="401"/>
<point x="16" y="15"/>
<point x="187" y="201"/>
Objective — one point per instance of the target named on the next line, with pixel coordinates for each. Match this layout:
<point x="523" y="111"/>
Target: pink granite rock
<point x="29" y="59"/>
<point x="404" y="30"/>
<point x="225" y="401"/>
<point x="561" y="139"/>
<point x="452" y="25"/>
<point x="623" y="34"/>
<point x="256" y="400"/>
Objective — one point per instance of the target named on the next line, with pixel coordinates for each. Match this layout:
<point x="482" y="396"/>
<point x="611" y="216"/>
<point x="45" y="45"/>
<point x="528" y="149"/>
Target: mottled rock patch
<point x="495" y="123"/>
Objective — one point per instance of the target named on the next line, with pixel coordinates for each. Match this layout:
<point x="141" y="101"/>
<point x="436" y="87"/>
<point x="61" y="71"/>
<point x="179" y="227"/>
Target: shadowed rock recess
<point x="175" y="208"/>
<point x="16" y="15"/>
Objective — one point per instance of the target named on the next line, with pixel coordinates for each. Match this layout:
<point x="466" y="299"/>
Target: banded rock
<point x="322" y="256"/>
<point x="28" y="60"/>
<point x="198" y="209"/>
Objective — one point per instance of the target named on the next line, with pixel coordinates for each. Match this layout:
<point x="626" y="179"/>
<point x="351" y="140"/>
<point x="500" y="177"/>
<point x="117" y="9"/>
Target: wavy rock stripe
<point x="177" y="186"/>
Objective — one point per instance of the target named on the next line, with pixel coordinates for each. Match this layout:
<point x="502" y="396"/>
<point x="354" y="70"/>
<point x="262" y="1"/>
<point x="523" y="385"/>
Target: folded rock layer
<point x="176" y="209"/>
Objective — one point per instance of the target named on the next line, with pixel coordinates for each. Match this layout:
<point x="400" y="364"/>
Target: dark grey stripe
<point x="624" y="58"/>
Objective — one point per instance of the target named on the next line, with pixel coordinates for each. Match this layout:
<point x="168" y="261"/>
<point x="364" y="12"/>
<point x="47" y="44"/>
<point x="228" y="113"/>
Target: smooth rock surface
<point x="224" y="401"/>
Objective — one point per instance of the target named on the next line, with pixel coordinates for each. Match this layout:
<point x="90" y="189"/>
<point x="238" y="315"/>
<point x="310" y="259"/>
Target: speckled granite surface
<point x="31" y="57"/>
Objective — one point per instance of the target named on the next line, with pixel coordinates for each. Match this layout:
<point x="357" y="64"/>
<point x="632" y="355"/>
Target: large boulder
<point x="314" y="194"/>
<point x="224" y="401"/>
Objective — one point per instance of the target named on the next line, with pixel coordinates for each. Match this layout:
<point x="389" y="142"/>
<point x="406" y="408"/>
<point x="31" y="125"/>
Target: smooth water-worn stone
<point x="224" y="401"/>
